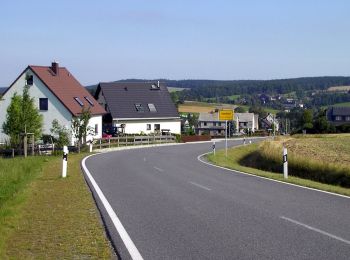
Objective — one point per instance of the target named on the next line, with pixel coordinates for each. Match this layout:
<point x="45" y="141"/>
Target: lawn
<point x="311" y="151"/>
<point x="49" y="217"/>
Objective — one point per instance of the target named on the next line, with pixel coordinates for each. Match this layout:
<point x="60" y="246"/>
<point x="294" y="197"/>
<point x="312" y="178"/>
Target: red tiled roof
<point x="65" y="87"/>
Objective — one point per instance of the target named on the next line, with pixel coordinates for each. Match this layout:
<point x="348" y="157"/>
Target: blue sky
<point x="183" y="39"/>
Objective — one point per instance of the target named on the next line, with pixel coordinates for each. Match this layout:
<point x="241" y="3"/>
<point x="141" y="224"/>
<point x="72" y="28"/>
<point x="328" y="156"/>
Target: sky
<point x="107" y="40"/>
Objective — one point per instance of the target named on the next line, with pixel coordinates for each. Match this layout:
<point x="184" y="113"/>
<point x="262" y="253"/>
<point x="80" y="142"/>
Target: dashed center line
<point x="199" y="186"/>
<point x="316" y="230"/>
<point x="158" y="169"/>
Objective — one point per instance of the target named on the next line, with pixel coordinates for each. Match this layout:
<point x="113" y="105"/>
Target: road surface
<point x="172" y="206"/>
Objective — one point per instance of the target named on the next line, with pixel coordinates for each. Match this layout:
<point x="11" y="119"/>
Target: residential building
<point x="139" y="107"/>
<point x="268" y="122"/>
<point x="338" y="115"/>
<point x="210" y="123"/>
<point x="57" y="95"/>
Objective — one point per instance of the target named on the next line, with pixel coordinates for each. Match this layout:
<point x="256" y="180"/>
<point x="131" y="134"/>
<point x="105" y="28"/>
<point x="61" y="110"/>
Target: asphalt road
<point x="175" y="207"/>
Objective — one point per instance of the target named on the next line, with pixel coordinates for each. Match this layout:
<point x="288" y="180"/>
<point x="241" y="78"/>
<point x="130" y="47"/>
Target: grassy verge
<point x="15" y="176"/>
<point x="57" y="218"/>
<point x="235" y="155"/>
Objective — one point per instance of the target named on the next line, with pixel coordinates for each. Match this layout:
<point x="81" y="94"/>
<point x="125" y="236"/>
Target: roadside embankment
<point x="321" y="162"/>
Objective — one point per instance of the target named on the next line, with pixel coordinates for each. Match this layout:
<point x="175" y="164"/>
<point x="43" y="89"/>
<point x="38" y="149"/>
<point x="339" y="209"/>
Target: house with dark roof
<point x="338" y="115"/>
<point x="58" y="95"/>
<point x="138" y="107"/>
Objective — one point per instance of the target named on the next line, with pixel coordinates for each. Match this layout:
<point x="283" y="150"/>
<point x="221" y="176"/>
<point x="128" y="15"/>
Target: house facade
<point x="58" y="95"/>
<point x="138" y="107"/>
<point x="338" y="115"/>
<point x="209" y="123"/>
<point x="268" y="122"/>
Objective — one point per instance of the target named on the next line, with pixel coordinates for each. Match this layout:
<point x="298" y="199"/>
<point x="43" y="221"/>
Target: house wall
<point x="95" y="120"/>
<point x="138" y="126"/>
<point x="56" y="110"/>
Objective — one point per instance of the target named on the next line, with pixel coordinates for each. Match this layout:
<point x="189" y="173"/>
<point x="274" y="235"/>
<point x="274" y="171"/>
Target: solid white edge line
<point x="158" y="169"/>
<point x="199" y="186"/>
<point x="129" y="244"/>
<point x="316" y="230"/>
<point x="266" y="178"/>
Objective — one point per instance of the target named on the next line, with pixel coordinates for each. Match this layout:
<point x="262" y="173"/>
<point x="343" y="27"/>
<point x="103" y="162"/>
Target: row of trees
<point x="23" y="117"/>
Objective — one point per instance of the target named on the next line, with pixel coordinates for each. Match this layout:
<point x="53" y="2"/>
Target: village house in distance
<point x="58" y="95"/>
<point x="138" y="107"/>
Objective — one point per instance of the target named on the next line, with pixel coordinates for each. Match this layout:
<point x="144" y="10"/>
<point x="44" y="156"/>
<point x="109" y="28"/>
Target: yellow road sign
<point x="226" y="115"/>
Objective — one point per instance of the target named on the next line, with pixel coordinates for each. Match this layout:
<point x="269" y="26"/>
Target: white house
<point x="58" y="95"/>
<point x="139" y="107"/>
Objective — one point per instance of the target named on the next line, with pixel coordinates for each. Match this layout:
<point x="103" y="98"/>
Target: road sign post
<point x="226" y="138"/>
<point x="285" y="163"/>
<point x="214" y="148"/>
<point x="64" y="164"/>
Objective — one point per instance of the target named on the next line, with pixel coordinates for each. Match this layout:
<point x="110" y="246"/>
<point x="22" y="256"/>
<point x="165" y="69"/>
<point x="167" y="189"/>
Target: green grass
<point x="15" y="176"/>
<point x="345" y="104"/>
<point x="55" y="218"/>
<point x="236" y="155"/>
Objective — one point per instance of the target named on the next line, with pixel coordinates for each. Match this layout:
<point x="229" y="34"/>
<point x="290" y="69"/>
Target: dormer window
<point x="152" y="108"/>
<point x="89" y="101"/>
<point x="29" y="80"/>
<point x="79" y="101"/>
<point x="139" y="107"/>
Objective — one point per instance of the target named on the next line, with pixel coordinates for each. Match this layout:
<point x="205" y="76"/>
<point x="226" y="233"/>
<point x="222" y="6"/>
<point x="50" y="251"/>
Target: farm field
<point x="173" y="89"/>
<point x="203" y="107"/>
<point x="339" y="88"/>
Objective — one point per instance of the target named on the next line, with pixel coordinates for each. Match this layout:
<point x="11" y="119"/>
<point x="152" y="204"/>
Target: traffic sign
<point x="226" y="115"/>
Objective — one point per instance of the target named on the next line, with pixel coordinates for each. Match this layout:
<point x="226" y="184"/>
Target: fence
<point x="98" y="144"/>
<point x="132" y="140"/>
<point x="38" y="150"/>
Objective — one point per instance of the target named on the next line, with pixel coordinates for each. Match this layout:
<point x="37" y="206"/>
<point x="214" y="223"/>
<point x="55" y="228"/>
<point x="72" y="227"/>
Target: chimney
<point x="55" y="67"/>
<point x="158" y="84"/>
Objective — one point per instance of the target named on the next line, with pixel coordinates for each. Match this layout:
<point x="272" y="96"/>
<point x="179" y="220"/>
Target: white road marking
<point x="129" y="244"/>
<point x="316" y="230"/>
<point x="200" y="186"/>
<point x="144" y="159"/>
<point x="158" y="169"/>
<point x="199" y="158"/>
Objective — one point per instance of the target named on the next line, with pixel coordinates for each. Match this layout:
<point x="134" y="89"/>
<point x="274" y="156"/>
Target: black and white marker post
<point x="64" y="164"/>
<point x="285" y="163"/>
<point x="214" y="148"/>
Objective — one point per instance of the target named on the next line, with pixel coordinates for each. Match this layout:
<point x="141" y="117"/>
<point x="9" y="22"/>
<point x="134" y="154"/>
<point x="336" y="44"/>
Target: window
<point x="347" y="118"/>
<point x="156" y="127"/>
<point x="152" y="108"/>
<point x="96" y="129"/>
<point x="338" y="118"/>
<point x="214" y="123"/>
<point x="29" y="80"/>
<point x="148" y="126"/>
<point x="43" y="104"/>
<point x="90" y="101"/>
<point x="139" y="107"/>
<point x="219" y="124"/>
<point x="205" y="123"/>
<point x="79" y="101"/>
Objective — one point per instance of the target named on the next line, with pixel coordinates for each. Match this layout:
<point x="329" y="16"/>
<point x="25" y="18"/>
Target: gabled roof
<point x="65" y="87"/>
<point x="340" y="111"/>
<point x="124" y="99"/>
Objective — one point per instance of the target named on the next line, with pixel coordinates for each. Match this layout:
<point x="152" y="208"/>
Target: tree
<point x="240" y="110"/>
<point x="80" y="127"/>
<point x="22" y="116"/>
<point x="307" y="119"/>
<point x="61" y="134"/>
